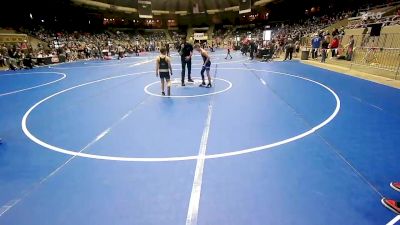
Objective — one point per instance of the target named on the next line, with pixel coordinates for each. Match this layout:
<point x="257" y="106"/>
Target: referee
<point x="167" y="48"/>
<point x="186" y="52"/>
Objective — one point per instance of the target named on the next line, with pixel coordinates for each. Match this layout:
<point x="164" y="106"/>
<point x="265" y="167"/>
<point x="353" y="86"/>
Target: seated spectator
<point x="2" y="60"/>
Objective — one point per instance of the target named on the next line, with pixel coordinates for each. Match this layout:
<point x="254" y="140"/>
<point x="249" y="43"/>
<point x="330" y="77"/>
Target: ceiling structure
<point x="179" y="7"/>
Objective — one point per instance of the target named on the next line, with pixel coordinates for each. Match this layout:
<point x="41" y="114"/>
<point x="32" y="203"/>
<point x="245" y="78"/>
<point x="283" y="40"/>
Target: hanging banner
<point x="144" y="9"/>
<point x="244" y="6"/>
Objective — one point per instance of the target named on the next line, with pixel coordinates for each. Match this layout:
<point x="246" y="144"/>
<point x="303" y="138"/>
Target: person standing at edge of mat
<point x="164" y="70"/>
<point x="325" y="47"/>
<point x="252" y="49"/>
<point x="289" y="49"/>
<point x="228" y="49"/>
<point x="167" y="48"/>
<point x="391" y="204"/>
<point x="186" y="52"/>
<point x="206" y="65"/>
<point x="121" y="52"/>
<point x="315" y="44"/>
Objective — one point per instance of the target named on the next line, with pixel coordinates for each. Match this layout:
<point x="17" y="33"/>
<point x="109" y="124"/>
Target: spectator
<point x="289" y="49"/>
<point x="315" y="43"/>
<point x="334" y="46"/>
<point x="350" y="48"/>
<point x="2" y="60"/>
<point x="325" y="47"/>
<point x="335" y="32"/>
<point x="297" y="48"/>
<point x="252" y="49"/>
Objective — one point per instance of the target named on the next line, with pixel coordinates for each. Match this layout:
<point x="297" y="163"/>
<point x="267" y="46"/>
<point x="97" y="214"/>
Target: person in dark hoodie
<point x="289" y="49"/>
<point x="325" y="47"/>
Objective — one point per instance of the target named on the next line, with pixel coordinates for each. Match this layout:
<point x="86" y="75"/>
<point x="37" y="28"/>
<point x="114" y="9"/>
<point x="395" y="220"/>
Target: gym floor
<point x="93" y="142"/>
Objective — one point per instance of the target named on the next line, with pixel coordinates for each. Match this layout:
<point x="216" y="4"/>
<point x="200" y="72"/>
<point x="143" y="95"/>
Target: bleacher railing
<point x="379" y="58"/>
<point x="13" y="38"/>
<point x="380" y="53"/>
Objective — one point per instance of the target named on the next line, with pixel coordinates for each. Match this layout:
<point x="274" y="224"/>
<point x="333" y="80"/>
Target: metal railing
<point x="378" y="58"/>
<point x="13" y="38"/>
<point x="380" y="53"/>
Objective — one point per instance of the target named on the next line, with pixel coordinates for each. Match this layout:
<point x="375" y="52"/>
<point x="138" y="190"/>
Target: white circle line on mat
<point x="34" y="87"/>
<point x="146" y="89"/>
<point x="179" y="158"/>
<point x="212" y="63"/>
<point x="144" y="60"/>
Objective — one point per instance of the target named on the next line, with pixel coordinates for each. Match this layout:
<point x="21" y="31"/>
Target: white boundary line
<point x="193" y="209"/>
<point x="37" y="86"/>
<point x="394" y="220"/>
<point x="10" y="204"/>
<point x="96" y="66"/>
<point x="179" y="158"/>
<point x="99" y="62"/>
<point x="217" y="63"/>
<point x="130" y="64"/>
<point x="366" y="103"/>
<point x="198" y="56"/>
<point x="263" y="81"/>
<point x="142" y="62"/>
<point x="146" y="89"/>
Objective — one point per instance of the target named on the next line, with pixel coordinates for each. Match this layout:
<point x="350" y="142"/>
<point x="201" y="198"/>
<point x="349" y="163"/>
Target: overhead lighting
<point x="262" y="2"/>
<point x="160" y="12"/>
<point x="181" y="12"/>
<point x="213" y="11"/>
<point x="233" y="8"/>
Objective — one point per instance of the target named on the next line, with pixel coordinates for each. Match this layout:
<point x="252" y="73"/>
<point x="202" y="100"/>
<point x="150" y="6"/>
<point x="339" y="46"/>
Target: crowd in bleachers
<point x="155" y="36"/>
<point x="15" y="56"/>
<point x="176" y="34"/>
<point x="284" y="35"/>
<point x="77" y="45"/>
<point x="313" y="31"/>
<point x="82" y="45"/>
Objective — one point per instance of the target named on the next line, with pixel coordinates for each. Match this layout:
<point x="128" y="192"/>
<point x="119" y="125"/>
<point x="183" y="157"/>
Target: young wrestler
<point x="206" y="65"/>
<point x="164" y="70"/>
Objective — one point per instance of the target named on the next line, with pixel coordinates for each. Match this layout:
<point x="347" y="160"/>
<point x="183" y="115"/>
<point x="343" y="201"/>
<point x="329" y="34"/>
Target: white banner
<point x="198" y="35"/>
<point x="371" y="15"/>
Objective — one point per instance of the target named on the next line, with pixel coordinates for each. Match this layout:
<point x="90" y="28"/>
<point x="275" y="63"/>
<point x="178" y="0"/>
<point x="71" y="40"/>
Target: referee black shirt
<point x="186" y="50"/>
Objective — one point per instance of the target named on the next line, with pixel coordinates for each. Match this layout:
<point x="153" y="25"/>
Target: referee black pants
<point x="189" y="67"/>
<point x="289" y="53"/>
